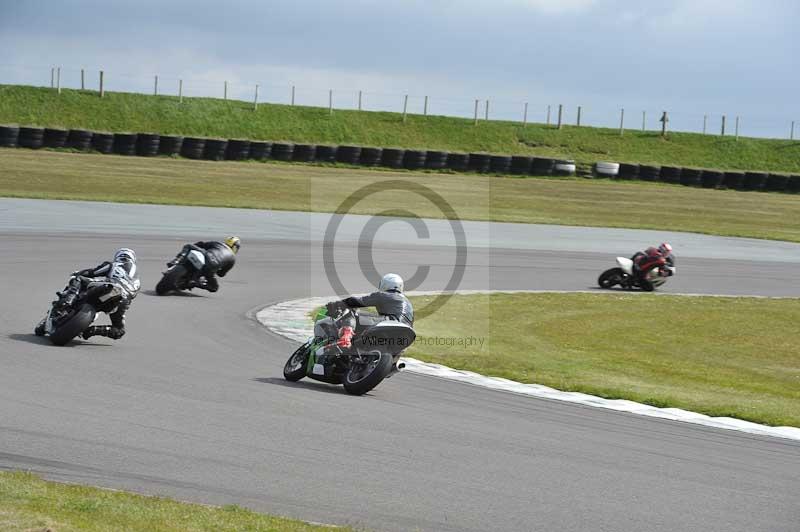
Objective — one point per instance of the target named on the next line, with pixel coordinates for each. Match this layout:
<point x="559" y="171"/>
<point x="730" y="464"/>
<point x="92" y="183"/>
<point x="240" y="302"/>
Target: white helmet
<point x="391" y="282"/>
<point x="125" y="255"/>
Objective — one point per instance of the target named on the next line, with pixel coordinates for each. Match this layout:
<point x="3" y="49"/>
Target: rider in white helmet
<point x="389" y="300"/>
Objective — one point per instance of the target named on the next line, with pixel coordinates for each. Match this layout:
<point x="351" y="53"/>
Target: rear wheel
<point x="610" y="278"/>
<point x="74" y="325"/>
<point x="295" y="367"/>
<point x="170" y="280"/>
<point x="646" y="286"/>
<point x="362" y="377"/>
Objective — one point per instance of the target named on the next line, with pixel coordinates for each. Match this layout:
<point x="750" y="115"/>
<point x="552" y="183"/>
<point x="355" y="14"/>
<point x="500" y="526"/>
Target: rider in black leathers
<point x="220" y="258"/>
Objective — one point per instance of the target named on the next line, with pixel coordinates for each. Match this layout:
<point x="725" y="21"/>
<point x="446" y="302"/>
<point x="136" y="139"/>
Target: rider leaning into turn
<point x="654" y="257"/>
<point x="220" y="258"/>
<point x="122" y="269"/>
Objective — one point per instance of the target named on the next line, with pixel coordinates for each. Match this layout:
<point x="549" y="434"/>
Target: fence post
<point x="722" y="132"/>
<point x="621" y="121"/>
<point x="476" y="112"/>
<point x="425" y="107"/>
<point x="292" y="94"/>
<point x="225" y="91"/>
<point x="548" y="115"/>
<point x="405" y="106"/>
<point x="486" y="111"/>
<point x="52" y="77"/>
<point x="83" y="85"/>
<point x="330" y="101"/>
<point x="359" y="100"/>
<point x="255" y="100"/>
<point x="180" y="91"/>
<point x="644" y="120"/>
<point x="58" y="80"/>
<point x="525" y="116"/>
<point x="791" y="135"/>
<point x="560" y="112"/>
<point x="101" y="84"/>
<point x="664" y="120"/>
<point x="737" y="129"/>
<point x="579" y="116"/>
<point x="155" y="86"/>
<point x="705" y="122"/>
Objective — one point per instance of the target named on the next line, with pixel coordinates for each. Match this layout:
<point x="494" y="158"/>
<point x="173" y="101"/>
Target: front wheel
<point x="75" y="325"/>
<point x="362" y="377"/>
<point x="295" y="367"/>
<point x="610" y="278"/>
<point x="170" y="280"/>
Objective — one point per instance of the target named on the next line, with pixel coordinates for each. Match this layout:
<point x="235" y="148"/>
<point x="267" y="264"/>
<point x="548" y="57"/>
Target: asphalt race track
<point x="191" y="403"/>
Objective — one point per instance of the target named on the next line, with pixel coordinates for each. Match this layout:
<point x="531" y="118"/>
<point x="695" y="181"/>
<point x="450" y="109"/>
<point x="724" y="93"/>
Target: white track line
<point x="290" y="319"/>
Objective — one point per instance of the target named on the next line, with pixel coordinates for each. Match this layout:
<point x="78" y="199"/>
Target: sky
<point x="688" y="57"/>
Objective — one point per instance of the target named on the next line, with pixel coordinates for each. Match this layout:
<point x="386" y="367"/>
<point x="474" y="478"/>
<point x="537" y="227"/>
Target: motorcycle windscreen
<point x="388" y="336"/>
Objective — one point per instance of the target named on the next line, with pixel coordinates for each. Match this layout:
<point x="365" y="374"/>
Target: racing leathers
<point x="651" y="258"/>
<point x="219" y="260"/>
<point x="390" y="305"/>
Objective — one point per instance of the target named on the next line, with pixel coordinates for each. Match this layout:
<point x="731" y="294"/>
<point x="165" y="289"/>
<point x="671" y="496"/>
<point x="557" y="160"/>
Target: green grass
<point x="234" y="119"/>
<point x="28" y="503"/>
<point x="721" y="356"/>
<point x="603" y="203"/>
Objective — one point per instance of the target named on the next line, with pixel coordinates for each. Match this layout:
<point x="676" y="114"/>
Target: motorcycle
<point x="183" y="272"/>
<point x="623" y="276"/>
<point x="63" y="323"/>
<point x="373" y="355"/>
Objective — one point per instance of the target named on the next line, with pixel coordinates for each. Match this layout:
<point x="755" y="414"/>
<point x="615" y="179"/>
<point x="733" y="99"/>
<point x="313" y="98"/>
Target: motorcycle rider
<point x="654" y="257"/>
<point x="121" y="270"/>
<point x="220" y="258"/>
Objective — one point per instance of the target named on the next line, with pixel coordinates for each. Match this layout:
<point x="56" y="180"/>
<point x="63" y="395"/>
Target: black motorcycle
<point x="373" y="355"/>
<point x="184" y="272"/>
<point x="62" y="323"/>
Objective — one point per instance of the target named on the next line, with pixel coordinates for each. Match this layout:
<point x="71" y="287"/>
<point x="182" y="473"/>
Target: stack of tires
<point x="125" y="143"/>
<point x="326" y="154"/>
<point x="691" y="177"/>
<point x="30" y="137"/>
<point x="371" y="156"/>
<point x="733" y="180"/>
<point x="147" y="144"/>
<point x="79" y="139"/>
<point x="282" y="151"/>
<point x="793" y="184"/>
<point x="521" y="164"/>
<point x="414" y="159"/>
<point x="649" y="173"/>
<point x="712" y="178"/>
<point x="435" y="160"/>
<point x="348" y="154"/>
<point x="671" y="174"/>
<point x="542" y="166"/>
<point x="776" y="183"/>
<point x="215" y="149"/>
<point x="500" y="164"/>
<point x="9" y="136"/>
<point x="392" y="157"/>
<point x="479" y="162"/>
<point x="628" y="171"/>
<point x="564" y="167"/>
<point x="238" y="150"/>
<point x="605" y="169"/>
<point x="304" y="153"/>
<point x="193" y="147"/>
<point x="170" y="145"/>
<point x="458" y="162"/>
<point x="103" y="142"/>
<point x="54" y="138"/>
<point x="260" y="150"/>
<point x="754" y="180"/>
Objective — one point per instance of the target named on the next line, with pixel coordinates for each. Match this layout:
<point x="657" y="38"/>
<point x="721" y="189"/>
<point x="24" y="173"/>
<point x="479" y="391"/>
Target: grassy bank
<point x="54" y="175"/>
<point x="719" y="356"/>
<point x="28" y="503"/>
<point x="233" y="119"/>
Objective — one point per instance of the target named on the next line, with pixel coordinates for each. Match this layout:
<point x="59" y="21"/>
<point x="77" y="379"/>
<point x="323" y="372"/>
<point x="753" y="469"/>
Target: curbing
<point x="290" y="320"/>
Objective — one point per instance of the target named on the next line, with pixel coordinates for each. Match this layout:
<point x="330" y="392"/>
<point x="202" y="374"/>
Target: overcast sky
<point x="690" y="57"/>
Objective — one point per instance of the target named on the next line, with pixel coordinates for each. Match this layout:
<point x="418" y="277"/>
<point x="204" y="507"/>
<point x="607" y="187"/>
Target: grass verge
<point x="212" y="117"/>
<point x="721" y="356"/>
<point x="29" y="503"/>
<point x="599" y="203"/>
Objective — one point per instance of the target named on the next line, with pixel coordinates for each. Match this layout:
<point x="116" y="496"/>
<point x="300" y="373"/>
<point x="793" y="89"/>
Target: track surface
<point x="191" y="404"/>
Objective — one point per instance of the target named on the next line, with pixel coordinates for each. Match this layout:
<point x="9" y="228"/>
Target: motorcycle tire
<point x="293" y="372"/>
<point x="358" y="382"/>
<point x="170" y="280"/>
<point x="609" y="278"/>
<point x="75" y="325"/>
<point x="646" y="286"/>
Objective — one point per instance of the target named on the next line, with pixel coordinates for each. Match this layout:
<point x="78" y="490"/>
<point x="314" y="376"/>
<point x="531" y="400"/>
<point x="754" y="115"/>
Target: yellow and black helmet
<point x="233" y="242"/>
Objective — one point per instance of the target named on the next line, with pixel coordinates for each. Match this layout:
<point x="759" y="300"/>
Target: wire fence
<point x="407" y="103"/>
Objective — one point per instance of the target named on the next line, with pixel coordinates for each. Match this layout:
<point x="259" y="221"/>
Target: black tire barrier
<point x="170" y="145"/>
<point x="754" y="180"/>
<point x="542" y="166"/>
<point x="348" y="154"/>
<point x="371" y="156"/>
<point x="125" y="143"/>
<point x="215" y="149"/>
<point x="9" y="135"/>
<point x="500" y="164"/>
<point x="392" y="157"/>
<point x="304" y="153"/>
<point x="435" y="160"/>
<point x="521" y="164"/>
<point x="193" y="147"/>
<point x="793" y="184"/>
<point x="776" y="183"/>
<point x="54" y="138"/>
<point x="282" y="151"/>
<point x="712" y="178"/>
<point x="326" y="154"/>
<point x="480" y="162"/>
<point x="103" y="142"/>
<point x="733" y="180"/>
<point x="147" y="144"/>
<point x="414" y="159"/>
<point x="260" y="150"/>
<point x="691" y="177"/>
<point x="628" y="171"/>
<point x="79" y="139"/>
<point x="458" y="162"/>
<point x="671" y="174"/>
<point x="237" y="150"/>
<point x="649" y="173"/>
<point x="564" y="167"/>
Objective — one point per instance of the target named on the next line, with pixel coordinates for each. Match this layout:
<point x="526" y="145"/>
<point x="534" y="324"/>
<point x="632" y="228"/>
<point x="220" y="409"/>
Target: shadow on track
<point x="42" y="340"/>
<point x="172" y="293"/>
<point x="308" y="385"/>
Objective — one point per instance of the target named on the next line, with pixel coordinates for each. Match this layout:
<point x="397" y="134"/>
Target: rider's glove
<point x="345" y="337"/>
